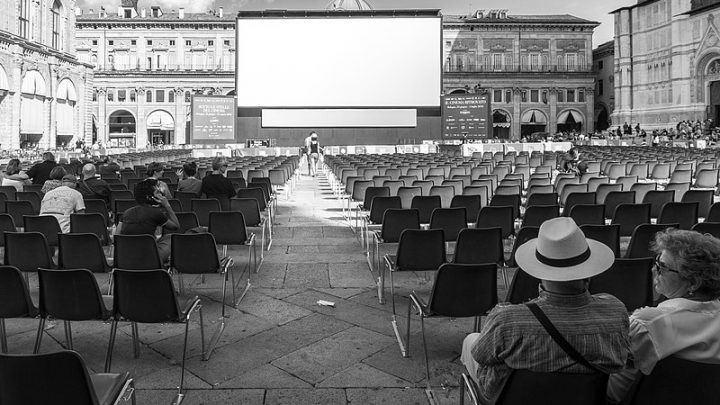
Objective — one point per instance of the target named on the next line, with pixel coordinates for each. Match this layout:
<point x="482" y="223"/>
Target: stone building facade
<point x="43" y="88"/>
<point x="148" y="65"/>
<point x="537" y="69"/>
<point x="667" y="62"/>
<point x="604" y="68"/>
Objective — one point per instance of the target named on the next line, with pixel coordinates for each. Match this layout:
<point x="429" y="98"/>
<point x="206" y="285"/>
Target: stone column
<point x="515" y="127"/>
<point x="102" y="131"/>
<point x="141" y="138"/>
<point x="15" y="100"/>
<point x="589" y="110"/>
<point x="49" y="114"/>
<point x="180" y="116"/>
<point x="552" y="119"/>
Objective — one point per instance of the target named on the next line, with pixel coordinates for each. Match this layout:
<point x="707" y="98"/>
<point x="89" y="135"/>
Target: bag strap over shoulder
<point x="560" y="340"/>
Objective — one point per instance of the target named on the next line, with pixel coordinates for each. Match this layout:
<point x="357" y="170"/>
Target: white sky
<point x="588" y="9"/>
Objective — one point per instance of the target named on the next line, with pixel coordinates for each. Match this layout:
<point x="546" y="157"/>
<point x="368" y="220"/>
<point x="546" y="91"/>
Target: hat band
<point x="569" y="262"/>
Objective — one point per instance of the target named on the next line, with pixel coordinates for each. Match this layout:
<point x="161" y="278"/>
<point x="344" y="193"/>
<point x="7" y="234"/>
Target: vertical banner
<point x="466" y="116"/>
<point x="213" y="119"/>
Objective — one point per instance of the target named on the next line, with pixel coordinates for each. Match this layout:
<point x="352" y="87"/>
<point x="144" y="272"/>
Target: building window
<point x="132" y="96"/>
<point x="561" y="96"/>
<point x="94" y="96"/>
<point x="111" y="95"/>
<point x="149" y="41"/>
<point x="133" y="42"/>
<point x="188" y="43"/>
<point x="534" y="96"/>
<point x="24" y="19"/>
<point x="211" y="43"/>
<point x="600" y="64"/>
<point x="148" y="96"/>
<point x="172" y="42"/>
<point x="94" y="41"/>
<point x="535" y="61"/>
<point x="497" y="96"/>
<point x="581" y="96"/>
<point x="111" y="42"/>
<point x="497" y="61"/>
<point x="571" y="96"/>
<point x="226" y="42"/>
<point x="600" y="87"/>
<point x="508" y="96"/>
<point x="55" y="13"/>
<point x="160" y="96"/>
<point x="571" y="61"/>
<point x="171" y="96"/>
<point x="122" y="96"/>
<point x="187" y="96"/>
<point x="523" y="96"/>
<point x="128" y="13"/>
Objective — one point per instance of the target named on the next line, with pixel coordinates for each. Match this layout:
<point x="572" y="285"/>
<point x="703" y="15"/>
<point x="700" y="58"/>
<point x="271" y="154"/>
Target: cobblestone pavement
<point x="279" y="346"/>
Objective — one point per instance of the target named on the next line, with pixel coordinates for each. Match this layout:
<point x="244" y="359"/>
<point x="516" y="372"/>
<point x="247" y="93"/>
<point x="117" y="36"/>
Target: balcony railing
<point x="517" y="68"/>
<point x="165" y="68"/>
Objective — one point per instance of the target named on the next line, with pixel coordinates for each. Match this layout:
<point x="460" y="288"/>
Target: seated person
<point x="216" y="185"/>
<point x="40" y="172"/>
<point x="155" y="171"/>
<point x="188" y="183"/>
<point x="687" y="324"/>
<point x="595" y="325"/>
<point x="13" y="175"/>
<point x="153" y="212"/>
<point x="63" y="201"/>
<point x="55" y="180"/>
<point x="92" y="187"/>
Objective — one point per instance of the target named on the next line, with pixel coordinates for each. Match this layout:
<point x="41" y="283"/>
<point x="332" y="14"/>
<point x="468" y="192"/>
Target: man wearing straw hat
<point x="517" y="336"/>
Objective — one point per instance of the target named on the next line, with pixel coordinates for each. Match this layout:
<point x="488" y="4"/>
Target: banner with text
<point x="466" y="116"/>
<point x="213" y="119"/>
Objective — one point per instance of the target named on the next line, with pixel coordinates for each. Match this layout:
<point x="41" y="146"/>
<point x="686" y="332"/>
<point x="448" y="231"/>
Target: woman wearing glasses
<point x="687" y="324"/>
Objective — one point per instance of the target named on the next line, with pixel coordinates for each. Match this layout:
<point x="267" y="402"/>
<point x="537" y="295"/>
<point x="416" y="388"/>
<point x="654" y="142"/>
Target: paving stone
<point x="271" y="309"/>
<point x="340" y="292"/>
<point x="307" y="275"/>
<point x="267" y="376"/>
<point x="305" y="396"/>
<point x="362" y="376"/>
<point x="388" y="396"/>
<point x="318" y="361"/>
<point x="351" y="275"/>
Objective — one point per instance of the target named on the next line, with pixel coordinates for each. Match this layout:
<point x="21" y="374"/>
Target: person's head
<point x="562" y="258"/>
<point x="146" y="191"/>
<point x="69" y="180"/>
<point x="13" y="166"/>
<point x="313" y="135"/>
<point x="219" y="164"/>
<point x="48" y="156"/>
<point x="190" y="169"/>
<point x="57" y="173"/>
<point x="155" y="170"/>
<point x="688" y="264"/>
<point x="88" y="171"/>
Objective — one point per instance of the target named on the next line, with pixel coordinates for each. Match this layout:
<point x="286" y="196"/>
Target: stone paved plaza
<point x="279" y="345"/>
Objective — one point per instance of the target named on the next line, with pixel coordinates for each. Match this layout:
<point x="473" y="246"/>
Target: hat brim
<point x="601" y="259"/>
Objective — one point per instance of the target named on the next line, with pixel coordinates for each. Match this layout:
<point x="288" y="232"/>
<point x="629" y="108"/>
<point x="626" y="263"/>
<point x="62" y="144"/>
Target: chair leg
<point x="180" y="393"/>
<point x="503" y="270"/>
<point x="3" y="337"/>
<point x="381" y="285"/>
<point x="68" y="335"/>
<point x="427" y="365"/>
<point x="269" y="236"/>
<point x="111" y="343"/>
<point x="38" y="337"/>
<point x="136" y="340"/>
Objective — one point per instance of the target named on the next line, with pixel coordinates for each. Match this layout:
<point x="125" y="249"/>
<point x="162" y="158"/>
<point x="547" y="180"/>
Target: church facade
<point x="667" y="63"/>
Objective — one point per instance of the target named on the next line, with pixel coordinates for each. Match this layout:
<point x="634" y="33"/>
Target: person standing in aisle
<point x="313" y="153"/>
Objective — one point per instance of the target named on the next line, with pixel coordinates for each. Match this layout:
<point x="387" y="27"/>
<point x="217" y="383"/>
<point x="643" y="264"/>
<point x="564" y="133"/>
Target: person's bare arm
<point x="172" y="223"/>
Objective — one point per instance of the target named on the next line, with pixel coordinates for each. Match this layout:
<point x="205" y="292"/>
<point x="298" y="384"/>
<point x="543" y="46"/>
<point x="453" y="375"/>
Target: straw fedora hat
<point x="562" y="253"/>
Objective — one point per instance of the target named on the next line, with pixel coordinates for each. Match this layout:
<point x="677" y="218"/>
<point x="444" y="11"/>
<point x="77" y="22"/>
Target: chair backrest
<point x="679" y="188"/>
<point x="578" y="198"/>
<point x="630" y="280"/>
<point x="185" y="198"/>
<point x="395" y="221"/>
<point x="256" y="193"/>
<point x="641" y="238"/>
<point x="629" y="216"/>
<point x="456" y="184"/>
<point x="373" y="192"/>
<point x="146" y="296"/>
<point x="6" y="225"/>
<point x="703" y="197"/>
<point x="48" y="378"/>
<point x="194" y="253"/>
<point x="497" y="217"/>
<point x="615" y="198"/>
<point x="678" y="381"/>
<point x="542" y="199"/>
<point x="359" y="187"/>
<point x="228" y="228"/>
<point x="136" y="252"/>
<point x="70" y="295"/>
<point x="660" y="171"/>
<point x="523" y="287"/>
<point x="16" y="209"/>
<point x="90" y="223"/>
<point x="607" y="234"/>
<point x="527" y="387"/>
<point x="712" y="228"/>
<point x="249" y="208"/>
<point x="471" y="203"/>
<point x="15" y="301"/>
<point x="393" y="186"/>
<point x="120" y="206"/>
<point x="45" y="224"/>
<point x="572" y="189"/>
<point x="425" y="205"/>
<point x="481" y="191"/>
<point x="604" y="189"/>
<point x="479" y="246"/>
<point x="707" y="178"/>
<point x="31" y="196"/>
<point x="685" y="214"/>
<point x="203" y="207"/>
<point x="27" y="251"/>
<point x="536" y="215"/>
<point x="657" y="199"/>
<point x="81" y="251"/>
<point x="445" y="193"/>
<point x="641" y="189"/>
<point x="464" y="290"/>
<point x="499" y="200"/>
<point x="380" y="204"/>
<point x="420" y="250"/>
<point x="524" y="234"/>
<point x="407" y="194"/>
<point x="594" y="182"/>
<point x="97" y="207"/>
<point x="9" y="192"/>
<point x="450" y="220"/>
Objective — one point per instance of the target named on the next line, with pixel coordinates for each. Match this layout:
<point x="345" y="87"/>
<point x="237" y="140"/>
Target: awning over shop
<point x="533" y="117"/>
<point x="570" y="117"/>
<point x="160" y="120"/>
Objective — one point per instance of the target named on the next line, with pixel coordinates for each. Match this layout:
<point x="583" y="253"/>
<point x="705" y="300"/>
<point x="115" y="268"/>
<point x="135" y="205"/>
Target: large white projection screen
<point x="339" y="63"/>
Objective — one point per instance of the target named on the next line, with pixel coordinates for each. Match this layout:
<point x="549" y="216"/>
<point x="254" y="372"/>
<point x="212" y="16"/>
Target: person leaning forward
<point x="595" y="325"/>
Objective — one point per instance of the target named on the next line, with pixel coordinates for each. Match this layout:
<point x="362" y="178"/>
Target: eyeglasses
<point x="661" y="267"/>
